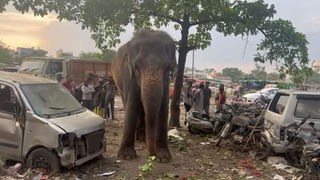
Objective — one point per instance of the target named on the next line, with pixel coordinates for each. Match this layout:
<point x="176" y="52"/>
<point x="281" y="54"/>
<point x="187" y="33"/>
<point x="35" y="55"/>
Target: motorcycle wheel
<point x="190" y="129"/>
<point x="215" y="129"/>
<point x="224" y="132"/>
<point x="218" y="141"/>
<point x="264" y="148"/>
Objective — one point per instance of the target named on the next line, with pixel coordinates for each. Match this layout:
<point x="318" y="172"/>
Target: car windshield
<point x="306" y="107"/>
<point x="49" y="100"/>
<point x="32" y="66"/>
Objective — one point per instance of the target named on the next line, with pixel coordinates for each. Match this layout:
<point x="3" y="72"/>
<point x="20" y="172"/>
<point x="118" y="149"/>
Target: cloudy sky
<point x="18" y="30"/>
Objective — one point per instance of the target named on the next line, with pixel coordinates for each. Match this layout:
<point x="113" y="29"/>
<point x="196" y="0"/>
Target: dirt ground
<point x="193" y="158"/>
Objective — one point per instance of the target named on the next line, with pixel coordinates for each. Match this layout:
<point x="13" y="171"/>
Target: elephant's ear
<point x="133" y="52"/>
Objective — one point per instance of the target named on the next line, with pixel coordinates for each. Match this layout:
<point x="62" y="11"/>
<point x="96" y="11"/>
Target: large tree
<point x="235" y="73"/>
<point x="6" y="57"/>
<point x="195" y="19"/>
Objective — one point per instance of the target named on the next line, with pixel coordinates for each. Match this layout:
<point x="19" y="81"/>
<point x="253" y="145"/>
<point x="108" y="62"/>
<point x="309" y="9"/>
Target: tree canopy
<point x="106" y="56"/>
<point x="235" y="73"/>
<point x="195" y="19"/>
<point x="6" y="57"/>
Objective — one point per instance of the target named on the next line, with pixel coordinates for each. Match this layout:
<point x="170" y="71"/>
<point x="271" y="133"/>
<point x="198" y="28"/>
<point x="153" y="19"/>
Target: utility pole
<point x="192" y="64"/>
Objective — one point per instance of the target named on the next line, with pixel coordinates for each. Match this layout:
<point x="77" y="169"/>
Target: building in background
<point x="316" y="65"/>
<point x="61" y="54"/>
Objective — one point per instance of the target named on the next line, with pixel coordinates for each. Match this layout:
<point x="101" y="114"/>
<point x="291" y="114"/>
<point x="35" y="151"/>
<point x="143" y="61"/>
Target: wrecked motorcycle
<point x="303" y="149"/>
<point x="245" y="128"/>
<point x="201" y="123"/>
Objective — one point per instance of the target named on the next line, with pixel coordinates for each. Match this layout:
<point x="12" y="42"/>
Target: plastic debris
<point x="37" y="177"/>
<point x="204" y="143"/>
<point x="278" y="177"/>
<point x="246" y="163"/>
<point x="276" y="160"/>
<point x="256" y="173"/>
<point x="175" y="134"/>
<point x="287" y="168"/>
<point x="107" y="173"/>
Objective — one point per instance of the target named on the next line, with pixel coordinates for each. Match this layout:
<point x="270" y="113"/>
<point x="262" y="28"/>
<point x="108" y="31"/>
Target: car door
<point x="274" y="115"/>
<point x="11" y="125"/>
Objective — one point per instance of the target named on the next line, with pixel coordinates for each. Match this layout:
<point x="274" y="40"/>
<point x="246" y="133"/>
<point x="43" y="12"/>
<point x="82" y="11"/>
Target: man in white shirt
<point x="87" y="91"/>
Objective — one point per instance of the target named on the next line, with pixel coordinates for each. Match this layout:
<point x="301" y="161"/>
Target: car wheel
<point x="44" y="159"/>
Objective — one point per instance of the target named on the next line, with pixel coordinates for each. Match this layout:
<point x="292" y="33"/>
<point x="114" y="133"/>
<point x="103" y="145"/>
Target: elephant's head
<point x="151" y="57"/>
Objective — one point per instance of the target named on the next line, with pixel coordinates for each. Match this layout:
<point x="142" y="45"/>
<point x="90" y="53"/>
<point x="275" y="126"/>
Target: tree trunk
<point x="175" y="102"/>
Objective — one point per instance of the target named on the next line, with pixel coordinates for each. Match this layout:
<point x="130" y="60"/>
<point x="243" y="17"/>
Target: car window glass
<point x="306" y="107"/>
<point x="7" y="99"/>
<point x="54" y="67"/>
<point x="279" y="103"/>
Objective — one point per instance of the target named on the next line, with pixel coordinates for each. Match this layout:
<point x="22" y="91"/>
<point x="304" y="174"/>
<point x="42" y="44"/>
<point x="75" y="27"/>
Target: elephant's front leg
<point x="132" y="109"/>
<point x="163" y="153"/>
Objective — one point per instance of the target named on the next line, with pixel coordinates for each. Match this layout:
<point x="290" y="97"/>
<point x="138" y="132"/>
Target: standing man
<point x="109" y="99"/>
<point x="220" y="97"/>
<point x="68" y="84"/>
<point x="187" y="96"/>
<point x="87" y="91"/>
<point x="206" y="98"/>
<point x="198" y="99"/>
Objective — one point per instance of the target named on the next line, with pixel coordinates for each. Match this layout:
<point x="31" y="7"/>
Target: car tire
<point x="44" y="159"/>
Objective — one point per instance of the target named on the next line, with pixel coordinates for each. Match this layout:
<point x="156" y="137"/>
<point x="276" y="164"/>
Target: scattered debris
<point x="287" y="168"/>
<point x="175" y="134"/>
<point x="246" y="163"/>
<point x="281" y="164"/>
<point x="252" y="154"/>
<point x="256" y="173"/>
<point x="276" y="160"/>
<point x="278" y="177"/>
<point x="204" y="143"/>
<point x="107" y="173"/>
<point x="37" y="177"/>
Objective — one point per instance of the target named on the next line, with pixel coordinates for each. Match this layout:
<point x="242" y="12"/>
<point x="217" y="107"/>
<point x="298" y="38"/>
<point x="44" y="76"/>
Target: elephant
<point x="141" y="70"/>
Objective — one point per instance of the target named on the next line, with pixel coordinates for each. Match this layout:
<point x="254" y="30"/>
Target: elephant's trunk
<point x="151" y="96"/>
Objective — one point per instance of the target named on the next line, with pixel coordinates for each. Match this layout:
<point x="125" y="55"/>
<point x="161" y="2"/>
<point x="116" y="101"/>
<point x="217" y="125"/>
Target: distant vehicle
<point x="43" y="125"/>
<point x="10" y="69"/>
<point x="267" y="93"/>
<point x="77" y="69"/>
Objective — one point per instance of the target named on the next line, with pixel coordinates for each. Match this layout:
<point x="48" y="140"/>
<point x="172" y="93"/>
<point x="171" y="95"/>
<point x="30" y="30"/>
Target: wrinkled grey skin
<point x="141" y="70"/>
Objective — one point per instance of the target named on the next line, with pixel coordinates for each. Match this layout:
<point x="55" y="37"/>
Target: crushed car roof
<point x="23" y="78"/>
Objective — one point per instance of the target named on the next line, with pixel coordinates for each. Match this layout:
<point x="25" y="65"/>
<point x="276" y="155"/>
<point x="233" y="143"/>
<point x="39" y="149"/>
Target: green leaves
<point x="6" y="56"/>
<point x="107" y="19"/>
<point x="283" y="45"/>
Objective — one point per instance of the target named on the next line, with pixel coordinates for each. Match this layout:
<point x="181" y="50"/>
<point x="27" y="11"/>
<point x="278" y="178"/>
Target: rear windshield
<point x="306" y="107"/>
<point x="34" y="66"/>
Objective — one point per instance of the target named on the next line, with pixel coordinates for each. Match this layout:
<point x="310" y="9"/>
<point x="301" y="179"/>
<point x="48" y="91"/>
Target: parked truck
<point x="77" y="69"/>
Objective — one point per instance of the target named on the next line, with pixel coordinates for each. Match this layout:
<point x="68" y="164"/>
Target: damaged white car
<point x="44" y="126"/>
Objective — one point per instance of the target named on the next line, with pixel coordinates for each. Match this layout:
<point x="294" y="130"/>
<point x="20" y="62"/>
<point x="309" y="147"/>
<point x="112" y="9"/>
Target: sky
<point x="18" y="30"/>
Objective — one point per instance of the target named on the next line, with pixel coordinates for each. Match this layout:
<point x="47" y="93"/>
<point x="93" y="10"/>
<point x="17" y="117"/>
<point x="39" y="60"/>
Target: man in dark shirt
<point x="109" y="99"/>
<point x="206" y="98"/>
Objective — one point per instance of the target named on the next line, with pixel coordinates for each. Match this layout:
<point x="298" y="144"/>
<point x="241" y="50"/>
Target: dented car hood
<point x="80" y="124"/>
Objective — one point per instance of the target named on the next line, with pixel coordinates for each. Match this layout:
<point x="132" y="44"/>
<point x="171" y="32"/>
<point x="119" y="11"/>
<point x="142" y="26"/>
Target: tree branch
<point x="167" y="17"/>
<point x="189" y="48"/>
<point x="206" y="21"/>
<point x="264" y="33"/>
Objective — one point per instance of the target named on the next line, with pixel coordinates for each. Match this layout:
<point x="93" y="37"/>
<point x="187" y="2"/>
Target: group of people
<point x="199" y="100"/>
<point x="98" y="98"/>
